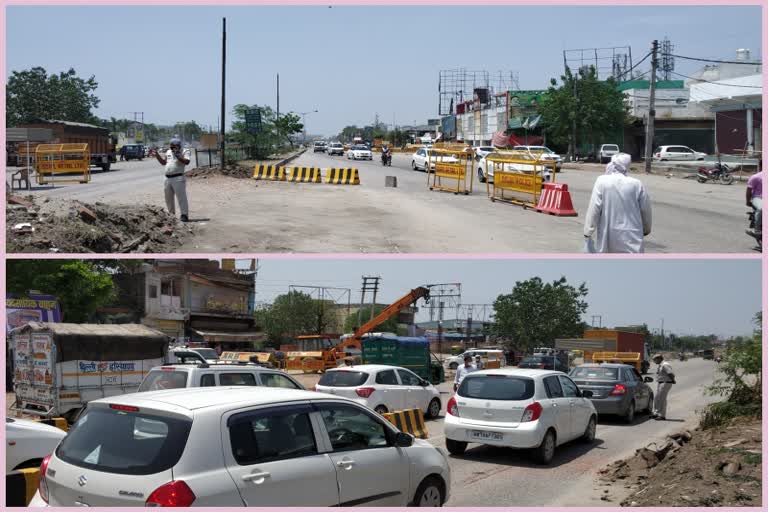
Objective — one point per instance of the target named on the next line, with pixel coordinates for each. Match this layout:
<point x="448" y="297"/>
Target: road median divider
<point x="269" y="172"/>
<point x="410" y="421"/>
<point x="21" y="486"/>
<point x="347" y="176"/>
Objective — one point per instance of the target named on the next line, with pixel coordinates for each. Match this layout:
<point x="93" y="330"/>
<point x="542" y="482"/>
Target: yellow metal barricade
<point x="518" y="173"/>
<point x="452" y="163"/>
<point x="73" y="161"/>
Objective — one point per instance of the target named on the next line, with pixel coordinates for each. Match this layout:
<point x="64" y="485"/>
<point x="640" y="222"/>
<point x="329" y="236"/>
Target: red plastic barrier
<point x="556" y="200"/>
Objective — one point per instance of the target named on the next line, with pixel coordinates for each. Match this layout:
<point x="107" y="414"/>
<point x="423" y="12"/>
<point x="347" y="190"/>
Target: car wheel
<point x="430" y="493"/>
<point x="649" y="409"/>
<point x="629" y="416"/>
<point x="589" y="433"/>
<point x="455" y="447"/>
<point x="433" y="411"/>
<point x="380" y="409"/>
<point x="413" y="164"/>
<point x="480" y="175"/>
<point x="453" y="366"/>
<point x="546" y="450"/>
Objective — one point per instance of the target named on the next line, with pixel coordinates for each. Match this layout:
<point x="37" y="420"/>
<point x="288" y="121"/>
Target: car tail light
<point x="541" y="365"/>
<point x="453" y="407"/>
<point x="618" y="389"/>
<point x="129" y="408"/>
<point x="364" y="392"/>
<point x="42" y="485"/>
<point x="173" y="494"/>
<point x="532" y="412"/>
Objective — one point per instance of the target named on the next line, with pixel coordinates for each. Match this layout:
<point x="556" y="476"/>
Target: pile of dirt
<point x="233" y="171"/>
<point x="66" y="226"/>
<point x="719" y="467"/>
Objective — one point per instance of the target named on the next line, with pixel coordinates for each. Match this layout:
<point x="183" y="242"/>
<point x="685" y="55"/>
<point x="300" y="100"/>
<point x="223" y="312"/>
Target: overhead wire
<point x="713" y="60"/>
<point x="716" y="83"/>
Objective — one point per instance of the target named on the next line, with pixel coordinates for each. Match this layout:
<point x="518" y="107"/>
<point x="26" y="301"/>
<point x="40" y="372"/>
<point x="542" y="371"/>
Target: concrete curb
<point x="290" y="159"/>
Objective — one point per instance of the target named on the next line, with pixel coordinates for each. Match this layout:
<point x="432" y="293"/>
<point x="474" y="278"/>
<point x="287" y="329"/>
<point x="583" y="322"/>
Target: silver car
<point x="617" y="389"/>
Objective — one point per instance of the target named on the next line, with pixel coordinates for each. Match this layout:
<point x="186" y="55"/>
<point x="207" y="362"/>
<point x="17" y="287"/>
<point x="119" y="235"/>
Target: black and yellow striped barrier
<point x="55" y="422"/>
<point x="269" y="172"/>
<point x="410" y="421"/>
<point x="342" y="176"/>
<point x="21" y="486"/>
<point x="305" y="175"/>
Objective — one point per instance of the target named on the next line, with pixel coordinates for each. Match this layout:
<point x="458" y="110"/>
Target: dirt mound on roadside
<point x="66" y="226"/>
<point x="720" y="467"/>
<point x="233" y="171"/>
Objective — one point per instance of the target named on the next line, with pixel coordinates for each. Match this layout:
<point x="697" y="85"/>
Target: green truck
<point x="411" y="353"/>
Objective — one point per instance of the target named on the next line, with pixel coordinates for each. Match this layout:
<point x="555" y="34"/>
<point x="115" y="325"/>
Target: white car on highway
<point x="382" y="388"/>
<point x="481" y="151"/>
<point x="421" y="158"/>
<point x="485" y="169"/>
<point x="335" y="148"/>
<point x="544" y="153"/>
<point x="237" y="446"/>
<point x="663" y="153"/>
<point x="27" y="443"/>
<point x="359" y="152"/>
<point x="526" y="409"/>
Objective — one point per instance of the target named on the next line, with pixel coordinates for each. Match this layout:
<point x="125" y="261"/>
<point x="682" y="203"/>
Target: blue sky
<point x="692" y="296"/>
<point x="349" y="63"/>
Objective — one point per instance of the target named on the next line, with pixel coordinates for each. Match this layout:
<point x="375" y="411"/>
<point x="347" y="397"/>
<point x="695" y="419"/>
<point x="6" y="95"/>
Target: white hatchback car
<point x="359" y="152"/>
<point x="663" y="153"/>
<point x="421" y="159"/>
<point x="28" y="442"/>
<point x="382" y="388"/>
<point x="220" y="447"/>
<point x="528" y="409"/>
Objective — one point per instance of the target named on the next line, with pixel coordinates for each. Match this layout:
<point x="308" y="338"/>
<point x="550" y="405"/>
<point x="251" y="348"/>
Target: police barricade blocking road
<point x="410" y="421"/>
<point x="453" y="165"/>
<point x="269" y="172"/>
<point x="72" y="160"/>
<point x="515" y="172"/>
<point x="20" y="487"/>
<point x="336" y="176"/>
<point x="304" y="175"/>
<point x="54" y="422"/>
<point x="556" y="200"/>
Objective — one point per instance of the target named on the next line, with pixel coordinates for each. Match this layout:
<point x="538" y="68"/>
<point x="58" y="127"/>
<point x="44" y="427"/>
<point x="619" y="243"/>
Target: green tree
<point x="80" y="285"/>
<point x="33" y="94"/>
<point x="596" y="107"/>
<point x="389" y="325"/>
<point x="189" y="129"/>
<point x="536" y="313"/>
<point x="292" y="314"/>
<point x="288" y="124"/>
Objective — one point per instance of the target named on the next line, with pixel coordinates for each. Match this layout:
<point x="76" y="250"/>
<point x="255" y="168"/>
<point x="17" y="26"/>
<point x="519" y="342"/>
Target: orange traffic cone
<point x="556" y="200"/>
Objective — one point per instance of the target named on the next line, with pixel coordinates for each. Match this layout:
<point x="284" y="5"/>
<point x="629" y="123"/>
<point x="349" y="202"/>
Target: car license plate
<point x="487" y="436"/>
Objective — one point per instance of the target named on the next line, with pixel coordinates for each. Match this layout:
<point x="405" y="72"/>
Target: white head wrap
<point x="619" y="163"/>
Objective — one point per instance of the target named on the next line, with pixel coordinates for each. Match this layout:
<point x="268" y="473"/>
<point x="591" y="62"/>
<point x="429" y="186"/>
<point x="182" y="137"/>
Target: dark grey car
<point x="617" y="389"/>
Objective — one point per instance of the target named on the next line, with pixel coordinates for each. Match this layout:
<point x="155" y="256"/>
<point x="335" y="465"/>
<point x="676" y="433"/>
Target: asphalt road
<point x="688" y="216"/>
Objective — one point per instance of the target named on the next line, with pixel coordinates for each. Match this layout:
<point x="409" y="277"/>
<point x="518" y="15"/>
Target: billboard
<point x="20" y="310"/>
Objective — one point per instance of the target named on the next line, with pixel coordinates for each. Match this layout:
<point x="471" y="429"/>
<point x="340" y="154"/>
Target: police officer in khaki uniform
<point x="665" y="378"/>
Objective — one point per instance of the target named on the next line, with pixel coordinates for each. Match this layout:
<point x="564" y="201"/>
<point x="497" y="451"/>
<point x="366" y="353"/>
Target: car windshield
<point x="360" y="148"/>
<point x="336" y="145"/>
<point x="343" y="379"/>
<point x="593" y="372"/>
<point x="611" y="147"/>
<point x="127" y="442"/>
<point x="496" y="387"/>
<point x="163" y="379"/>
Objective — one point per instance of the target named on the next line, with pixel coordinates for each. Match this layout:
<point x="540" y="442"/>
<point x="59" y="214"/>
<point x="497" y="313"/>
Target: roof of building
<point x="95" y="330"/>
<point x="67" y="123"/>
<point x="732" y="88"/>
<point x="646" y="84"/>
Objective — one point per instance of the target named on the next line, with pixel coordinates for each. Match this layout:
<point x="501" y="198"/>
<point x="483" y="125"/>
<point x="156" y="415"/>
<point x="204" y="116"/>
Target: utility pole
<point x="651" y="107"/>
<point x="663" y="341"/>
<point x="440" y="329"/>
<point x="223" y="83"/>
<point x="599" y="318"/>
<point x="375" y="291"/>
<point x="370" y="284"/>
<point x="278" y="106"/>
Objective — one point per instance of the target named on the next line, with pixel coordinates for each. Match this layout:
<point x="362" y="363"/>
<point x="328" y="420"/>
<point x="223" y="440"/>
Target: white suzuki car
<point x="359" y="152"/>
<point x="239" y="446"/>
<point x="382" y="388"/>
<point x="28" y="442"/>
<point x="421" y="159"/>
<point x="527" y="409"/>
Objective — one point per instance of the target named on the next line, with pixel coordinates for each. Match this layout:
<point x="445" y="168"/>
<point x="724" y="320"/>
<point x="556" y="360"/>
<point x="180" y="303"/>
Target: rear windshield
<point x="611" y="147"/>
<point x="127" y="443"/>
<point x="595" y="373"/>
<point x="360" y="148"/>
<point x="343" y="378"/>
<point x="164" y="379"/>
<point x="496" y="387"/>
<point x="531" y="360"/>
<point x="207" y="353"/>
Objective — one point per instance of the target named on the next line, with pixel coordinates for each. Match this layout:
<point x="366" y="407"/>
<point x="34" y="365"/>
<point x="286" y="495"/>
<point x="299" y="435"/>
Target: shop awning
<point x="230" y="337"/>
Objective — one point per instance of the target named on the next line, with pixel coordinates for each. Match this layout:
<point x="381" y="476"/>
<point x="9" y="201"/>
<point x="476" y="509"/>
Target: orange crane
<point x="391" y="310"/>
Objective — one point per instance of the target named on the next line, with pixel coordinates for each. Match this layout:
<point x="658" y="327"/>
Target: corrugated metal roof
<point x="124" y="330"/>
<point x="742" y="87"/>
<point x="68" y="123"/>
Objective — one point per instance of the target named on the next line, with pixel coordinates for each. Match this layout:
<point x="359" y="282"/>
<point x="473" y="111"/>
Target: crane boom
<point x="391" y="310"/>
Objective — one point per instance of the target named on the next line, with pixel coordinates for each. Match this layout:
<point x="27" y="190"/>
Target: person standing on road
<point x="463" y="371"/>
<point x="665" y="377"/>
<point x="175" y="183"/>
<point x="755" y="200"/>
<point x="619" y="212"/>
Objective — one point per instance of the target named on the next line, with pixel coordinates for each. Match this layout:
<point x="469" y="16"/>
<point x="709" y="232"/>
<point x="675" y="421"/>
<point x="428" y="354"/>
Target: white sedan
<point x="359" y="152"/>
<point x="485" y="169"/>
<point x="239" y="446"/>
<point x="27" y="443"/>
<point x="663" y="153"/>
<point x="382" y="388"/>
<point x="421" y="158"/>
<point x="526" y="409"/>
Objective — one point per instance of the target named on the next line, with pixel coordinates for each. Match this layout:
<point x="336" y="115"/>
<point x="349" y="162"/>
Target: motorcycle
<point x="718" y="172"/>
<point x="683" y="357"/>
<point x="751" y="230"/>
<point x="386" y="158"/>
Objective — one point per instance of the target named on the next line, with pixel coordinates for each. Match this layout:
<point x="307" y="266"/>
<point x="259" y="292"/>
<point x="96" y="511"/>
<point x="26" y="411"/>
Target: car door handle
<point x="256" y="478"/>
<point x="345" y="463"/>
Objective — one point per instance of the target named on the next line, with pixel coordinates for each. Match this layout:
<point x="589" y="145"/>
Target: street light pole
<point x="304" y="123"/>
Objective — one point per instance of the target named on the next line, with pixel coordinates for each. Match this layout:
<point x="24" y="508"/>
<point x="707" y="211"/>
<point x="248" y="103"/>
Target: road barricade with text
<point x="450" y="169"/>
<point x="62" y="163"/>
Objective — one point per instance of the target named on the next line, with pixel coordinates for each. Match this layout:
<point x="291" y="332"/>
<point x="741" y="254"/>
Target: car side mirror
<point x="648" y="379"/>
<point x="423" y="383"/>
<point x="586" y="393"/>
<point x="403" y="440"/>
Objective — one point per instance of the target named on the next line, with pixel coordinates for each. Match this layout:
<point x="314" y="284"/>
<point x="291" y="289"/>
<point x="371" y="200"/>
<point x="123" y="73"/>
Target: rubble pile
<point x="233" y="171"/>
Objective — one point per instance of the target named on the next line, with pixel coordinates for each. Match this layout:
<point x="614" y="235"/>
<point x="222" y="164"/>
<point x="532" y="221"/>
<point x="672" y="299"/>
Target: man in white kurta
<point x="619" y="213"/>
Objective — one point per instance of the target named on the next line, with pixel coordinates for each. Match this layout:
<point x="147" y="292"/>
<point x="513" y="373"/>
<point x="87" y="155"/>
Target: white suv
<point x="382" y="388"/>
<point x="606" y="152"/>
<point x="527" y="409"/>
<point x="319" y="146"/>
<point x="235" y="446"/>
<point x="175" y="376"/>
<point x="336" y="148"/>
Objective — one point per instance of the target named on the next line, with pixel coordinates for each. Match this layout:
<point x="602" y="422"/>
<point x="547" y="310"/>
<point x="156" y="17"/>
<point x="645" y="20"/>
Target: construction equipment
<point x="318" y="353"/>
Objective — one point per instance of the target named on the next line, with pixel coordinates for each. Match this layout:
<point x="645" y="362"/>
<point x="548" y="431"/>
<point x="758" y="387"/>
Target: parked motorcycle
<point x="386" y="158"/>
<point x="751" y="230"/>
<point x="718" y="172"/>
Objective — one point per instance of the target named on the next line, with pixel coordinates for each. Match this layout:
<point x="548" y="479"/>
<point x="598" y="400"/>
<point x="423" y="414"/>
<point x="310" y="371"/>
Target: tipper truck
<point x="610" y="345"/>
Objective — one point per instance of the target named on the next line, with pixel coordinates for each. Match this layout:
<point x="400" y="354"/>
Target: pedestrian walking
<point x="755" y="200"/>
<point x="463" y="371"/>
<point x="665" y="378"/>
<point x="619" y="213"/>
<point x="175" y="185"/>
